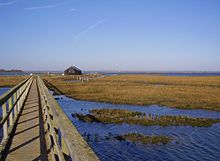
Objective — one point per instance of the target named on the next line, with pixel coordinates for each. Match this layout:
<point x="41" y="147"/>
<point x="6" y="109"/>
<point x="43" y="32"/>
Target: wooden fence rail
<point x="65" y="141"/>
<point x="12" y="103"/>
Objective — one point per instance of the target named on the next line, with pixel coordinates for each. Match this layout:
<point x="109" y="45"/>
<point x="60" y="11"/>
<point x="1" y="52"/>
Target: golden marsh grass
<point x="179" y="92"/>
<point x="10" y="81"/>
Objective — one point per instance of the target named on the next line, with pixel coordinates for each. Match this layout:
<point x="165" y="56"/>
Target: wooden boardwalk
<point x="29" y="142"/>
<point x="36" y="128"/>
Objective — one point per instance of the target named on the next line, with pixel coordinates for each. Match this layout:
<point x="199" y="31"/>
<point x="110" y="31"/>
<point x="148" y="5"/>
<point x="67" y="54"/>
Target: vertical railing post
<point x="22" y="96"/>
<point x="10" y="105"/>
<point x="64" y="147"/>
<point x="16" y="105"/>
<point x="20" y="101"/>
<point x="5" y="126"/>
<point x="54" y="126"/>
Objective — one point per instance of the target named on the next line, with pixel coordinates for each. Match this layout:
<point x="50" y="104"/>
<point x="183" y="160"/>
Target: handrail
<point x="12" y="103"/>
<point x="4" y="119"/>
<point x="66" y="143"/>
<point x="8" y="94"/>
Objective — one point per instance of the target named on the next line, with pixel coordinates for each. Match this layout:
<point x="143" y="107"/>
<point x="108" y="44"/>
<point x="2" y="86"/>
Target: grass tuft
<point x="144" y="139"/>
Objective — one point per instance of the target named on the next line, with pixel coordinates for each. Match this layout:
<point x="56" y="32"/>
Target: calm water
<point x="167" y="73"/>
<point x="189" y="143"/>
<point x="191" y="74"/>
<point x="13" y="73"/>
<point x="3" y="90"/>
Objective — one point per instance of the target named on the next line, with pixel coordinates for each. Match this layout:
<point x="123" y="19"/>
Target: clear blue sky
<point x="110" y="34"/>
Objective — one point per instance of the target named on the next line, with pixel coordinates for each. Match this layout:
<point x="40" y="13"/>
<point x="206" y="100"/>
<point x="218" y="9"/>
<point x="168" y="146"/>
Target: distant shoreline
<point x="15" y="72"/>
<point x="11" y="71"/>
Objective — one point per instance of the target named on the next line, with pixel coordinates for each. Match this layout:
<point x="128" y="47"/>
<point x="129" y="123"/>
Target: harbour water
<point x="13" y="73"/>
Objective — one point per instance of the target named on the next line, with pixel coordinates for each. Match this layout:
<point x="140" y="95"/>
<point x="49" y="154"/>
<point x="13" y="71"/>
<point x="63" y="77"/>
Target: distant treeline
<point x="12" y="70"/>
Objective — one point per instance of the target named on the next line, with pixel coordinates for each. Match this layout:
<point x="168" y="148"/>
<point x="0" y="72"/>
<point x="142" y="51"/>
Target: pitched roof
<point x="73" y="68"/>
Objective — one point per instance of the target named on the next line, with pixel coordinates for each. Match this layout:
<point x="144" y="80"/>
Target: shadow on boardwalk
<point x="29" y="142"/>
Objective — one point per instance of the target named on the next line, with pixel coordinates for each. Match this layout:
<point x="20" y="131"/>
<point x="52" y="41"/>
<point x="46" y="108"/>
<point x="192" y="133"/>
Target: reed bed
<point x="117" y="112"/>
<point x="179" y="92"/>
<point x="116" y="116"/>
<point x="144" y="139"/>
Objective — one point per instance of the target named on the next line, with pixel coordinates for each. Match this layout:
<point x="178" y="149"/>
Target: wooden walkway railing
<point x="62" y="138"/>
<point x="66" y="142"/>
<point x="12" y="103"/>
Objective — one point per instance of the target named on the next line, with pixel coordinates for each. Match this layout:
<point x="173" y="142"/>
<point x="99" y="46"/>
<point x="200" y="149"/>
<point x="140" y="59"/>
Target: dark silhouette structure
<point x="73" y="71"/>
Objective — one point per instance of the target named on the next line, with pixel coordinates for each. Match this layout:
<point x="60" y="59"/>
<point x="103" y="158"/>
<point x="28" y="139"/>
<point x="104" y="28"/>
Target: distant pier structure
<point x="72" y="71"/>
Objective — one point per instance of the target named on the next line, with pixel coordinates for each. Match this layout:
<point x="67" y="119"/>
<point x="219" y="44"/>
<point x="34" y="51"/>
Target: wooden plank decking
<point x="25" y="137"/>
<point x="29" y="142"/>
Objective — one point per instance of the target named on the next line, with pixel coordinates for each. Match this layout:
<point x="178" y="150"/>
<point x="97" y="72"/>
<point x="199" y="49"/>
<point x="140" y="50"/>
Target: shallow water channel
<point x="189" y="143"/>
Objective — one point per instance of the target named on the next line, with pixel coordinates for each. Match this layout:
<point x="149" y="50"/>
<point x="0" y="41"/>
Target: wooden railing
<point x="64" y="140"/>
<point x="12" y="103"/>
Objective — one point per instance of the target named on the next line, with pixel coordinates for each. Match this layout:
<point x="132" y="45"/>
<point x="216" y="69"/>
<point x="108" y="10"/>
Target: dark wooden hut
<point x="73" y="71"/>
